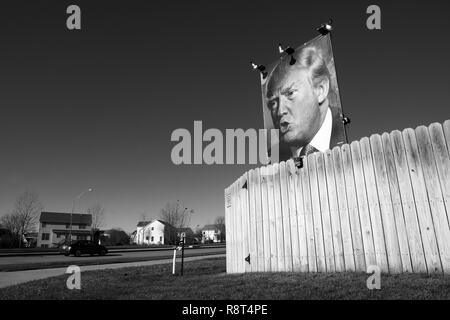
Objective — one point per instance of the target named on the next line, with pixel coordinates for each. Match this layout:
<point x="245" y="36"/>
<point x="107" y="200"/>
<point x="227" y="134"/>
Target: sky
<point x="96" y="107"/>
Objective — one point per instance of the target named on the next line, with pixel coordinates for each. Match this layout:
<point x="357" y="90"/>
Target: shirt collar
<point x="321" y="140"/>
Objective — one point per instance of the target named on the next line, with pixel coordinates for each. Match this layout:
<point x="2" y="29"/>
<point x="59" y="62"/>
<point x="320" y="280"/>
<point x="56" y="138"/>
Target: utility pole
<point x="73" y="208"/>
<point x="183" y="236"/>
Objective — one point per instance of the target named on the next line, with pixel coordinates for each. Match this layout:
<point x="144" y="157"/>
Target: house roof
<point x="143" y="223"/>
<point x="60" y="217"/>
<point x="164" y="223"/>
<point x="210" y="227"/>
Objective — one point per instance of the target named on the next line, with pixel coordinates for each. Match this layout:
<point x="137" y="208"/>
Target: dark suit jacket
<point x="337" y="134"/>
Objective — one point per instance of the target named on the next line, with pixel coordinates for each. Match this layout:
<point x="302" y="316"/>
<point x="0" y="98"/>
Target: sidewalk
<point x="16" y="277"/>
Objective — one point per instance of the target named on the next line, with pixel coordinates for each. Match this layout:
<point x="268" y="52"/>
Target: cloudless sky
<point x="96" y="107"/>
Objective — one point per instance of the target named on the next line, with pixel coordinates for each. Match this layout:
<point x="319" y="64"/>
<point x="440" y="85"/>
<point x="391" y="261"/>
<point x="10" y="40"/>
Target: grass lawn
<point x="206" y="279"/>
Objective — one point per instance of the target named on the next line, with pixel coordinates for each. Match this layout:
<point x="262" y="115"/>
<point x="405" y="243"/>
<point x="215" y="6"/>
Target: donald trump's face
<point x="298" y="107"/>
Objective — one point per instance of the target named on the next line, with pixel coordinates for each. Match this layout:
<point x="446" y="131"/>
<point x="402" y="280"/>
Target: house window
<point x="146" y="238"/>
<point x="152" y="239"/>
<point x="153" y="228"/>
<point x="160" y="239"/>
<point x="46" y="236"/>
<point x="44" y="245"/>
<point x="67" y="225"/>
<point x="44" y="224"/>
<point x="82" y="226"/>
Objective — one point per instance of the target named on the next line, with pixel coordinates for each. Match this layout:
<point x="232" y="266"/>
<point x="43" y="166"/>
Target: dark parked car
<point x="84" y="247"/>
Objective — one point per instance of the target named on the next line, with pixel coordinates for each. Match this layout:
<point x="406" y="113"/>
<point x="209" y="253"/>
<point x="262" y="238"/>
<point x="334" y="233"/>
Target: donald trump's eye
<point x="272" y="104"/>
<point x="290" y="93"/>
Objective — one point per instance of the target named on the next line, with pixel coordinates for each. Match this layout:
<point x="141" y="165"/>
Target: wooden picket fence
<point x="383" y="200"/>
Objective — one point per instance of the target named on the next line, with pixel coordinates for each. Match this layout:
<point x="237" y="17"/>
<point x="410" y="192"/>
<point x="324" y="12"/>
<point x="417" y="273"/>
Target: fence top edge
<point x="343" y="147"/>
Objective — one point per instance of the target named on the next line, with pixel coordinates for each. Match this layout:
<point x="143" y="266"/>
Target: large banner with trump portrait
<point x="300" y="96"/>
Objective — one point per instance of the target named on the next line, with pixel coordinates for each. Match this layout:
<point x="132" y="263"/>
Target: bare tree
<point x="220" y="224"/>
<point x="98" y="216"/>
<point x="143" y="216"/>
<point x="25" y="215"/>
<point x="175" y="214"/>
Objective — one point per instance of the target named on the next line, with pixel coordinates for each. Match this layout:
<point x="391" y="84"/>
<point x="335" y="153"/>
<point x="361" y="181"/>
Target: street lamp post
<point x="73" y="208"/>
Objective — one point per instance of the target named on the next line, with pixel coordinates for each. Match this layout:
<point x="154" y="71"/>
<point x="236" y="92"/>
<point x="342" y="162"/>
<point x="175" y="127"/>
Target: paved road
<point x="39" y="251"/>
<point x="17" y="277"/>
<point x="139" y="255"/>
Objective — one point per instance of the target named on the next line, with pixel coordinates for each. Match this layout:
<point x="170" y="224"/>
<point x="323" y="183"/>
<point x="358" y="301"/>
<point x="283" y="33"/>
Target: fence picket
<point x="317" y="217"/>
<point x="361" y="250"/>
<point x="227" y="232"/>
<point x="234" y="231"/>
<point x="386" y="209"/>
<point x="338" y="249"/>
<point x="325" y="213"/>
<point x="363" y="206"/>
<point x="349" y="252"/>
<point x="252" y="232"/>
<point x="278" y="217"/>
<point x="302" y="235"/>
<point x="243" y="217"/>
<point x="272" y="219"/>
<point x="293" y="214"/>
<point x="266" y="219"/>
<point x="309" y="221"/>
<point x="285" y="212"/>
<point x="258" y="223"/>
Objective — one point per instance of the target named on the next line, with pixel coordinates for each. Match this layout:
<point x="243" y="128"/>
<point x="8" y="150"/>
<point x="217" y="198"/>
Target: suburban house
<point x="211" y="232"/>
<point x="154" y="232"/>
<point x="55" y="227"/>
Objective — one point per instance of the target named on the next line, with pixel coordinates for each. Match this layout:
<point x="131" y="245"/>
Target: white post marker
<point x="174" y="258"/>
<point x="179" y="248"/>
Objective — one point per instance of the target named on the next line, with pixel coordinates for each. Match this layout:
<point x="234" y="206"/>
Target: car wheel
<point x="103" y="252"/>
<point x="77" y="253"/>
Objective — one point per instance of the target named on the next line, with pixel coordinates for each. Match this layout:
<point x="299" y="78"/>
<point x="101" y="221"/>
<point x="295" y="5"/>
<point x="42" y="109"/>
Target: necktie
<point x="307" y="150"/>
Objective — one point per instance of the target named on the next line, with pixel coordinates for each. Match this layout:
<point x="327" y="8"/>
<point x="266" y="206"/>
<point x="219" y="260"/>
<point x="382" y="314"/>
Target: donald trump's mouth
<point x="284" y="126"/>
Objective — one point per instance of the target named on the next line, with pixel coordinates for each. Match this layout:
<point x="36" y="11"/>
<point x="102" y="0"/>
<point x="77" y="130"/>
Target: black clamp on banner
<point x="289" y="51"/>
<point x="325" y="28"/>
<point x="260" y="68"/>
<point x="345" y="120"/>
